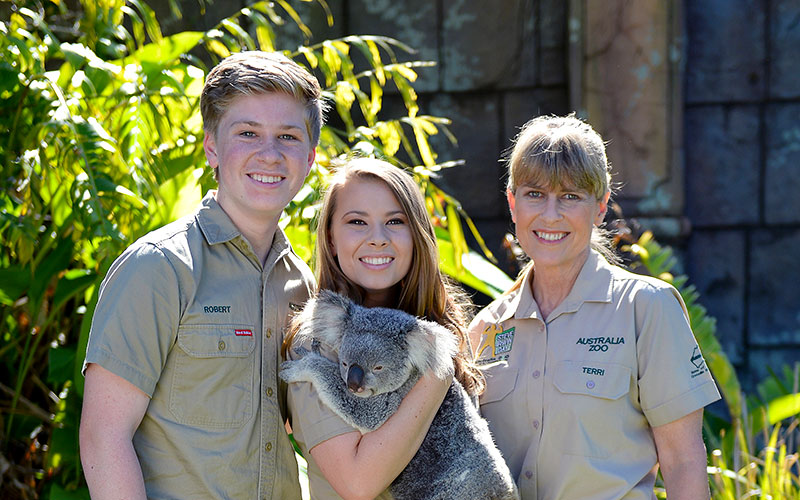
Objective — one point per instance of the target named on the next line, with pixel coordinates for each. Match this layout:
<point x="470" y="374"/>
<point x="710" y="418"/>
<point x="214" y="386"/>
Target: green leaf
<point x="55" y="262"/>
<point x="59" y="364"/>
<point x="14" y="280"/>
<point x="784" y="407"/>
<point x="158" y="55"/>
<point x="72" y="283"/>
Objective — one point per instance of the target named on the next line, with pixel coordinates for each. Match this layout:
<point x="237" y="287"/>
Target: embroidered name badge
<point x="243" y="333"/>
<point x="499" y="340"/>
<point x="217" y="309"/>
<point x="600" y="344"/>
<point x="698" y="363"/>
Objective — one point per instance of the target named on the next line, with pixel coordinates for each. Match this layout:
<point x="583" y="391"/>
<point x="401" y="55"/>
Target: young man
<point x="182" y="397"/>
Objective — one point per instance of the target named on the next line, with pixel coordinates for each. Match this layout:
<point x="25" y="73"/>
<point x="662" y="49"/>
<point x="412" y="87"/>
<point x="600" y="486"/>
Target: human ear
<point x="210" y="148"/>
<point x="602" y="209"/>
<point x="311" y="156"/>
<point x="511" y="204"/>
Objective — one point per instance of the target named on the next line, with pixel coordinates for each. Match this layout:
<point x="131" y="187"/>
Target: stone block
<point x="552" y="15"/>
<point x="476" y="124"/>
<point x="722" y="158"/>
<point x="782" y="170"/>
<point x="784" y="79"/>
<point x="628" y="94"/>
<point x="773" y="291"/>
<point x="486" y="46"/>
<point x="725" y="50"/>
<point x="519" y="106"/>
<point x="717" y="268"/>
<point x="314" y="16"/>
<point x="412" y="22"/>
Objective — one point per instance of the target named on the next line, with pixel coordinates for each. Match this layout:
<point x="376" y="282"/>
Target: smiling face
<point x="371" y="239"/>
<point x="263" y="154"/>
<point x="554" y="225"/>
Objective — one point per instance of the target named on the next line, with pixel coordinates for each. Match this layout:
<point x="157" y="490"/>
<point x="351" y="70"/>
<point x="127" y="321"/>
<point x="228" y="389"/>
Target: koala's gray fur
<point x="391" y="349"/>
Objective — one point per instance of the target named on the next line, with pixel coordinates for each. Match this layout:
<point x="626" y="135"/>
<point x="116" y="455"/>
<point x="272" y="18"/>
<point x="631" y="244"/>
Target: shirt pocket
<point x="213" y="381"/>
<point x="500" y="382"/>
<point x="590" y="404"/>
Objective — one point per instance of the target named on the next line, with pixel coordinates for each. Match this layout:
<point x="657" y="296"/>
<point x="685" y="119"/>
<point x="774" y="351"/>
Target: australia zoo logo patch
<point x="499" y="341"/>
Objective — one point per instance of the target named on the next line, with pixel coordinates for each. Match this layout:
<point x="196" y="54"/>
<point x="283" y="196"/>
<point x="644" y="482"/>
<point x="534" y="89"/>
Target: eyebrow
<point x="363" y="213"/>
<point x="252" y="123"/>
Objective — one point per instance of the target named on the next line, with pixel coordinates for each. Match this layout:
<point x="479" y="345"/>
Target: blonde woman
<point x="593" y="376"/>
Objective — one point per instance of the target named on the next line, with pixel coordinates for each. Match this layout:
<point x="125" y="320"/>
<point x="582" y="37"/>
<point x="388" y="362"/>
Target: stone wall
<point x="718" y="176"/>
<point x="742" y="165"/>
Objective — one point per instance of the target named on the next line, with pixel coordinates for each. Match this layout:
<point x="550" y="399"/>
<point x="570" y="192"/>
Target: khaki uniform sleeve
<point x="136" y="319"/>
<point x="673" y="377"/>
<point x="312" y="421"/>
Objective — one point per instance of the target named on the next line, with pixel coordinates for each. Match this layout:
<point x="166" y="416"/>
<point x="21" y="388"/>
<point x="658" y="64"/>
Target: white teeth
<point x="267" y="179"/>
<point x="376" y="261"/>
<point x="551" y="236"/>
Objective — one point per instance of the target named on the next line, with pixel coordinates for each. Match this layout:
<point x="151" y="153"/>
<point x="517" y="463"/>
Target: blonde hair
<point x="424" y="292"/>
<point x="255" y="72"/>
<point x="562" y="151"/>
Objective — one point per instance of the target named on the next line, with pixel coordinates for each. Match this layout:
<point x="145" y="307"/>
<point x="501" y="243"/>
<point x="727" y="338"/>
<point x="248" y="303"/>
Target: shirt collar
<point x="594" y="284"/>
<point x="215" y="224"/>
<point x="217" y="227"/>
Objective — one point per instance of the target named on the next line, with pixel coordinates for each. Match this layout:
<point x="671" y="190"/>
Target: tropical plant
<point x="101" y="142"/>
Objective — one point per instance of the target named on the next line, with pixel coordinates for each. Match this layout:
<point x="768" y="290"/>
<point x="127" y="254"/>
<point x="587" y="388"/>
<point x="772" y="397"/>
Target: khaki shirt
<point x="313" y="423"/>
<point x="190" y="316"/>
<point x="571" y="400"/>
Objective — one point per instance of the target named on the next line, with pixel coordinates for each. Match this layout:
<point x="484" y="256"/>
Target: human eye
<point x="247" y="133"/>
<point x="533" y="193"/>
<point x="572" y="196"/>
<point x="396" y="221"/>
<point x="289" y="137"/>
<point x="357" y="221"/>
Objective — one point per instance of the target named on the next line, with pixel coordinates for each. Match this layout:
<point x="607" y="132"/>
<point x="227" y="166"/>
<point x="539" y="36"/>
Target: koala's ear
<point x="323" y="318"/>
<point x="431" y="346"/>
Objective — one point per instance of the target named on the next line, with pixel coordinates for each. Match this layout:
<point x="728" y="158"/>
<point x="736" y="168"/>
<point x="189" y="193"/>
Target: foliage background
<point x="101" y="143"/>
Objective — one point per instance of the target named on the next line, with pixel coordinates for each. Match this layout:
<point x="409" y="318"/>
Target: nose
<point x="355" y="378"/>
<point x="268" y="150"/>
<point x="551" y="210"/>
<point x="378" y="237"/>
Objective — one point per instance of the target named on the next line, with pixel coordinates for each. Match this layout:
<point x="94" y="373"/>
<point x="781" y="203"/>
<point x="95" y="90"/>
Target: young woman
<point x="376" y="245"/>
<point x="593" y="375"/>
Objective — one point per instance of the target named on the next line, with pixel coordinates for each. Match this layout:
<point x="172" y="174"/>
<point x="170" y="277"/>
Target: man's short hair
<point x="257" y="72"/>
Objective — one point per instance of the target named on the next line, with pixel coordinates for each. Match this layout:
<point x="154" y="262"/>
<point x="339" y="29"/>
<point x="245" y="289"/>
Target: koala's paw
<point x="300" y="370"/>
<point x="301" y="352"/>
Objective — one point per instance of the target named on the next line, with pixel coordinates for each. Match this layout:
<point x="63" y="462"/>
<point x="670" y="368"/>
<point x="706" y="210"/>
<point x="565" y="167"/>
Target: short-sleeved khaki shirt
<point x="571" y="400"/>
<point x="313" y="423"/>
<point x="190" y="316"/>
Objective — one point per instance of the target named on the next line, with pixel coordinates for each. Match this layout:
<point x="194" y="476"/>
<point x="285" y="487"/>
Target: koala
<point x="381" y="355"/>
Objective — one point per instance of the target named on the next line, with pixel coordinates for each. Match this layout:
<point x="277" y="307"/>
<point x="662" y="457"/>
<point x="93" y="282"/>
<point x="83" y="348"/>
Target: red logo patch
<point x="243" y="333"/>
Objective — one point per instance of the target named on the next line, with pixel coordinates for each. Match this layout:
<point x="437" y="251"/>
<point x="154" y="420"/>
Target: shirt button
<point x="221" y="345"/>
<point x="590" y="384"/>
<point x="536" y="373"/>
<point x="535" y="424"/>
<point x="269" y="391"/>
<point x="269" y="332"/>
<point x="528" y="474"/>
<point x="268" y="446"/>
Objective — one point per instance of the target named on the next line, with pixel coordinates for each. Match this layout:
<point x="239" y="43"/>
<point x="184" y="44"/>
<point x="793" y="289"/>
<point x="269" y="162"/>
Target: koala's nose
<point x="355" y="378"/>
